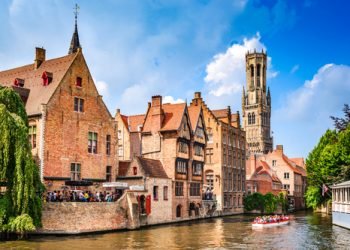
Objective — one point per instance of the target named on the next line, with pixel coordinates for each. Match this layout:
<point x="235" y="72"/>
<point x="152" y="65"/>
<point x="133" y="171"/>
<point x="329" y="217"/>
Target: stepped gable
<point x="39" y="94"/>
<point x="152" y="168"/>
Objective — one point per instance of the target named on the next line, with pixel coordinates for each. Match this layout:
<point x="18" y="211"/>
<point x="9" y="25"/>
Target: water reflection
<point x="306" y="231"/>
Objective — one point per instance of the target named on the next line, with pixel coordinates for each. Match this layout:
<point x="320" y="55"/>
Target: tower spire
<point x="75" y="44"/>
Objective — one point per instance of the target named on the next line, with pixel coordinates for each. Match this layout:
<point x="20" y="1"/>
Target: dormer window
<point x="19" y="82"/>
<point x="79" y="82"/>
<point x="47" y="78"/>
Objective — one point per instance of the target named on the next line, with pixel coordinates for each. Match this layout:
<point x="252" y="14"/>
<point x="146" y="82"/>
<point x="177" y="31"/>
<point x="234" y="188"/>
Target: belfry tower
<point x="256" y="105"/>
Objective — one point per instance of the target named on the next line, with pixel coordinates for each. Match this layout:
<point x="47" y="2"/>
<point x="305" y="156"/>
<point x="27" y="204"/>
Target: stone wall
<point x="79" y="217"/>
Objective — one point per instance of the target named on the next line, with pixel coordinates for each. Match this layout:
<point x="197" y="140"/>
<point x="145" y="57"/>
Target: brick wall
<point x="78" y="217"/>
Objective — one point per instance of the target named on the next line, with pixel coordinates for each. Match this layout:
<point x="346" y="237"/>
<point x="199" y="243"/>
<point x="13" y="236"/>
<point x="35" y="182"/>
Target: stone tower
<point x="256" y="105"/>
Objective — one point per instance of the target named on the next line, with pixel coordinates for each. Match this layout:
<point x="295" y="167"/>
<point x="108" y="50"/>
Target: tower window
<point x="249" y="119"/>
<point x="253" y="118"/>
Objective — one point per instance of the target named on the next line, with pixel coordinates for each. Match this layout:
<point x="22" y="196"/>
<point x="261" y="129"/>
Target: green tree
<point x="270" y="203"/>
<point x="20" y="205"/>
<point x="254" y="201"/>
<point x="329" y="161"/>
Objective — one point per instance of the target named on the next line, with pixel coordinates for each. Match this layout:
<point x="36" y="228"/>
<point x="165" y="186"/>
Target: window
<point x="200" y="132"/>
<point x="209" y="154"/>
<point x="286" y="175"/>
<point x="179" y="188"/>
<point x="19" y="82"/>
<point x="210" y="136"/>
<point x="120" y="151"/>
<point x="253" y="118"/>
<point x="32" y="136"/>
<point x="210" y="180"/>
<point x="75" y="171"/>
<point x="249" y="119"/>
<point x="183" y="147"/>
<point x="274" y="163"/>
<point x="108" y="144"/>
<point x="155" y="193"/>
<point x="197" y="168"/>
<point x="78" y="104"/>
<point x="134" y="170"/>
<point x="92" y="144"/>
<point x="47" y="78"/>
<point x="119" y="134"/>
<point x="181" y="166"/>
<point x="165" y="193"/>
<point x="286" y="186"/>
<point x="195" y="189"/>
<point x="79" y="82"/>
<point x="109" y="173"/>
<point x="198" y="150"/>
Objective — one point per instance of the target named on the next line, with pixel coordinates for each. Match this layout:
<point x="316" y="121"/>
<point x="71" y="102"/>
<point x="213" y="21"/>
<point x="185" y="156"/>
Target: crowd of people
<point x="80" y="196"/>
<point x="270" y="219"/>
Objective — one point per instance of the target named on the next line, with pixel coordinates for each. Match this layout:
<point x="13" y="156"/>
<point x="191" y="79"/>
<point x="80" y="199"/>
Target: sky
<point x="139" y="48"/>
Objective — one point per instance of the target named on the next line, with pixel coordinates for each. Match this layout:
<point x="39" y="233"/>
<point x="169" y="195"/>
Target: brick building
<point x="225" y="156"/>
<point x="72" y="133"/>
<point x="262" y="178"/>
<point x="175" y="135"/>
<point x="147" y="179"/>
<point x="129" y="135"/>
<point x="292" y="176"/>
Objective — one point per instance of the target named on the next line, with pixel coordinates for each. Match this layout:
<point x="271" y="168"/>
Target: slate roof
<point x="152" y="168"/>
<point x="38" y="94"/>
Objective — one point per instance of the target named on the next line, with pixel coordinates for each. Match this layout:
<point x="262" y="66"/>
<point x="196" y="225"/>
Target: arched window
<point x="258" y="70"/>
<point x="252" y="75"/>
<point x="253" y="118"/>
<point x="178" y="211"/>
<point x="249" y="119"/>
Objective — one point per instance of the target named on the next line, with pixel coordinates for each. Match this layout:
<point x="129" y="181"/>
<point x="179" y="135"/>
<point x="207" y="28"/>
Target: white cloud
<point x="226" y="73"/>
<point x="170" y="99"/>
<point x="306" y="111"/>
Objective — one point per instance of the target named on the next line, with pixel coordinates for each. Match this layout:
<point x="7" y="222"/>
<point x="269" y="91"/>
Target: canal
<point x="306" y="231"/>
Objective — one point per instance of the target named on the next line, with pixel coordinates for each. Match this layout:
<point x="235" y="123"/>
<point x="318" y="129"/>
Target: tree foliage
<point x="20" y="205"/>
<point x="267" y="203"/>
<point x="329" y="161"/>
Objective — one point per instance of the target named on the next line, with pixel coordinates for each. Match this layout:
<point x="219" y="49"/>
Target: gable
<point x="185" y="127"/>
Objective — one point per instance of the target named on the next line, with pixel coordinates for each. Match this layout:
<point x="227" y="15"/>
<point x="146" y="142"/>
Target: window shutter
<point x="148" y="204"/>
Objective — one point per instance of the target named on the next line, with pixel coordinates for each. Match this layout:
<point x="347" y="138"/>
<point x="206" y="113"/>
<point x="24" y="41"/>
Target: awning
<point x="78" y="183"/>
<point x="120" y="185"/>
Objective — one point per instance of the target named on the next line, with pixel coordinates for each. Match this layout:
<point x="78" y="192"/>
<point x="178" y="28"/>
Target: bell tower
<point x="256" y="104"/>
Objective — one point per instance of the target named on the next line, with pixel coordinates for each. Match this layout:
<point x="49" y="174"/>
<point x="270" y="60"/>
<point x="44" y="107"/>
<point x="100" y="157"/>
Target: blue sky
<point x="139" y="48"/>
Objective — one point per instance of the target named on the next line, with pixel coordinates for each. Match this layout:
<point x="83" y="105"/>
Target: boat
<point x="265" y="224"/>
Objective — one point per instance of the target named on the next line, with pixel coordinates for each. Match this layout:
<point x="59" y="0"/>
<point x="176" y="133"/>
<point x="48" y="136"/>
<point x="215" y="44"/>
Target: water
<point x="306" y="231"/>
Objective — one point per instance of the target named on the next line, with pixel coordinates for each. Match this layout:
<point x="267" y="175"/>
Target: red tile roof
<point x="152" y="168"/>
<point x="267" y="168"/>
<point x="292" y="165"/>
<point x="299" y="161"/>
<point x="39" y="94"/>
<point x="220" y="113"/>
<point x="135" y="121"/>
<point x="194" y="112"/>
<point x="173" y="114"/>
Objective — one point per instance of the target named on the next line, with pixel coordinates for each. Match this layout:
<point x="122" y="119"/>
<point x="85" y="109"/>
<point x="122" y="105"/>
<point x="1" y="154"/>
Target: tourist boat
<point x="270" y="224"/>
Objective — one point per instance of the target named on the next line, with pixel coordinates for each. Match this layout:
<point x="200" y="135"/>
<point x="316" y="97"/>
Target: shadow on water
<point x="306" y="231"/>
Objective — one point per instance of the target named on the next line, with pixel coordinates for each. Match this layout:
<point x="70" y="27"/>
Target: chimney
<point x="279" y="149"/>
<point x="157" y="113"/>
<point x="197" y="95"/>
<point x="40" y="55"/>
